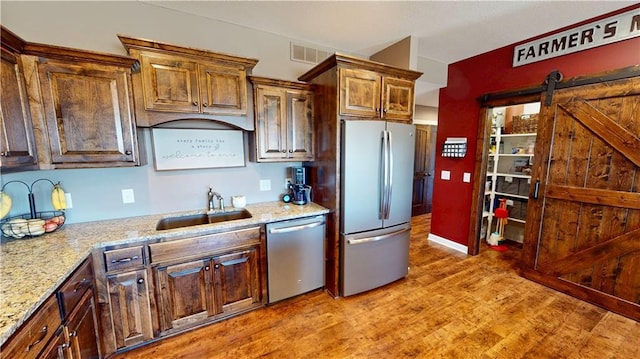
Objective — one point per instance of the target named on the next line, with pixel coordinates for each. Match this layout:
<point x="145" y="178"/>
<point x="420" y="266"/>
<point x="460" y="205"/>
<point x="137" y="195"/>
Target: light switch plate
<point x="265" y="185"/>
<point x="445" y="175"/>
<point x="67" y="197"/>
<point x="466" y="177"/>
<point x="128" y="196"/>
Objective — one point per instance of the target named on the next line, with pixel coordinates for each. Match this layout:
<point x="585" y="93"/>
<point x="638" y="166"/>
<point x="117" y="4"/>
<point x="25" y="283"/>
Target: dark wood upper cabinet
<point x="17" y="148"/>
<point x="87" y="113"/>
<point x="284" y="120"/>
<point x="367" y="89"/>
<point x="176" y="83"/>
<point x="365" y="93"/>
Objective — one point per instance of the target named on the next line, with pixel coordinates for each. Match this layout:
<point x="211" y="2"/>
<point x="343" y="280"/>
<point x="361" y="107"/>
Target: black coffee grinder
<point x="300" y="190"/>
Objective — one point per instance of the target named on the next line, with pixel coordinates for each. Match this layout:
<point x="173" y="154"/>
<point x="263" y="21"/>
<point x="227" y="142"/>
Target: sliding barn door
<point x="583" y="231"/>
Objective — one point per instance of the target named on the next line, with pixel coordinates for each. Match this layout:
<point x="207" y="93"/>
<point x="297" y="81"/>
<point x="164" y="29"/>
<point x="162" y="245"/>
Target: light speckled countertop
<point x="32" y="269"/>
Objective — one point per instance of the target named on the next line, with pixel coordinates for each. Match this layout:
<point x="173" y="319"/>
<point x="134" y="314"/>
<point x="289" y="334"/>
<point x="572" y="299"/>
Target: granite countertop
<point x="32" y="269"/>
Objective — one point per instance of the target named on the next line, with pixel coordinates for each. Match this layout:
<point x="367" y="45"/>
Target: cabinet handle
<point x="124" y="260"/>
<point x="43" y="333"/>
<point x="140" y="280"/>
<point x="206" y="268"/>
<point x="536" y="189"/>
<point x="127" y="152"/>
<point x="195" y="103"/>
<point x="204" y="104"/>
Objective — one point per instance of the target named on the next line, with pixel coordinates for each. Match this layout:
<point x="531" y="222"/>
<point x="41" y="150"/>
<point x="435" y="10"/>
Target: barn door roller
<point x="550" y="82"/>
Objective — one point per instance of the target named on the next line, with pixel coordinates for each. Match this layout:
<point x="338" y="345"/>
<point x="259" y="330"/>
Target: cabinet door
<point x="81" y="329"/>
<point x="236" y="280"/>
<point x="300" y="125"/>
<point x="271" y="129"/>
<point x="58" y="348"/>
<point x="223" y="90"/>
<point x="185" y="293"/>
<point x="397" y="99"/>
<point x="17" y="148"/>
<point x="359" y="93"/>
<point x="170" y="84"/>
<point x="130" y="307"/>
<point x="88" y="113"/>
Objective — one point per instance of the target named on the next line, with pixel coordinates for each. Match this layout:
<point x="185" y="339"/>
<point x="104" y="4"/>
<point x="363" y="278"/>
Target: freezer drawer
<point x="374" y="258"/>
<point x="295" y="257"/>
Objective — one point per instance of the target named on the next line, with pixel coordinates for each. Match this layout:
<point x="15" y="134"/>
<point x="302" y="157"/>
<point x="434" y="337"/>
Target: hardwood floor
<point x="450" y="306"/>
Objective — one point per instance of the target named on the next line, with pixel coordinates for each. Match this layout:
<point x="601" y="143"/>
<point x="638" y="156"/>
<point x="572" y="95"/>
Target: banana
<point x="5" y="204"/>
<point x="58" y="199"/>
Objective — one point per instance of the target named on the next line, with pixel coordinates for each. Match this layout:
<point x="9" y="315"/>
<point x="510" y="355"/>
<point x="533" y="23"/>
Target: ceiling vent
<point x="307" y="54"/>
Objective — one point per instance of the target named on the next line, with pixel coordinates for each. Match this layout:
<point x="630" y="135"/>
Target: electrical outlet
<point x="287" y="182"/>
<point x="67" y="197"/>
<point x="265" y="185"/>
<point x="127" y="196"/>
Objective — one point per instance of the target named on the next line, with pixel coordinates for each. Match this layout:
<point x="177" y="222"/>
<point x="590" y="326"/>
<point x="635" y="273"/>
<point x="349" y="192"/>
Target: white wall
<point x="93" y="25"/>
<point x="96" y="193"/>
<point x="425" y="115"/>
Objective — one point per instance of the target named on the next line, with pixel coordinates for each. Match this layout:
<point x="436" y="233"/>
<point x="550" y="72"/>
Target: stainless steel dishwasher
<point x="295" y="257"/>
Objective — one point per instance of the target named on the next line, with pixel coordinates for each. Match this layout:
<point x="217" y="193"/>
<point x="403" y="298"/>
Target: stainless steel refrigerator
<point x="376" y="192"/>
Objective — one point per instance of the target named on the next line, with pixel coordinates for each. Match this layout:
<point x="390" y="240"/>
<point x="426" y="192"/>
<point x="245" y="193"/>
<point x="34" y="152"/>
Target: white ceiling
<point x="446" y="31"/>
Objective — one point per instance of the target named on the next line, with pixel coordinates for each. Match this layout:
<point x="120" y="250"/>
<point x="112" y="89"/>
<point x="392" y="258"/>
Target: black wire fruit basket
<point x="26" y="225"/>
<point x="32" y="224"/>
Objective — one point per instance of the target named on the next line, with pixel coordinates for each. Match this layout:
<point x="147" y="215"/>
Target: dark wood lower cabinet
<point x="81" y="330"/>
<point x="130" y="307"/>
<point x="200" y="291"/>
<point x="237" y="281"/>
<point x="185" y="294"/>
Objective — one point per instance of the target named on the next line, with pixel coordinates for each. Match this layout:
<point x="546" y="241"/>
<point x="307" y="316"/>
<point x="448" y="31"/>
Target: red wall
<point x="458" y="113"/>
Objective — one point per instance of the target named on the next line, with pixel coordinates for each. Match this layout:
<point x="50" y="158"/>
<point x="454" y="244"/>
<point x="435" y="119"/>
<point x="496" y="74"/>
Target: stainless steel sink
<point x="203" y="218"/>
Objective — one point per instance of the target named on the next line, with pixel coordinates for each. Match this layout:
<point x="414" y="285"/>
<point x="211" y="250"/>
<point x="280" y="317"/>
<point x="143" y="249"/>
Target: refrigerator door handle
<point x="377" y="238"/>
<point x="385" y="176"/>
<point x="389" y="173"/>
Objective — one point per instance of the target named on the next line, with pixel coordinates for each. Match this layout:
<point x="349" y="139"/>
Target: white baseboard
<point x="447" y="243"/>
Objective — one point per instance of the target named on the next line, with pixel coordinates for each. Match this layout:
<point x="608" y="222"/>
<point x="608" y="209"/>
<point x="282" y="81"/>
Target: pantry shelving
<point x="509" y="177"/>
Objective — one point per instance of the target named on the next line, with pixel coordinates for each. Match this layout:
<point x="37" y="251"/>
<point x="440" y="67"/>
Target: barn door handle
<point x="536" y="189"/>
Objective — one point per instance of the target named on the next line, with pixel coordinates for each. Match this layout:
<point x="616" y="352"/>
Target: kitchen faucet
<point x="218" y="196"/>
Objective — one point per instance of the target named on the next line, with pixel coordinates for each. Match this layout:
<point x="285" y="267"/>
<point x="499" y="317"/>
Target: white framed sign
<point x="602" y="32"/>
<point x="177" y="149"/>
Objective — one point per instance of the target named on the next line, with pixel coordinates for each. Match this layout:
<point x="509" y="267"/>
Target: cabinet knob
<point x="206" y="268"/>
<point x="217" y="266"/>
<point x="127" y="152"/>
<point x="140" y="280"/>
<point x="204" y="104"/>
<point x="283" y="151"/>
<point x="4" y="154"/>
<point x="290" y="151"/>
<point x="385" y="110"/>
<point x="195" y="103"/>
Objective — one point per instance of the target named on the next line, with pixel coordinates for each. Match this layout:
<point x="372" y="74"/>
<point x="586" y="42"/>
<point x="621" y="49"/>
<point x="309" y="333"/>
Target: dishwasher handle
<point x="295" y="228"/>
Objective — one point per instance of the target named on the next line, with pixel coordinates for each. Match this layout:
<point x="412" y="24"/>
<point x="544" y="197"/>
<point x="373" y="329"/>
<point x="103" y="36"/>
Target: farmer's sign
<point x="612" y="29"/>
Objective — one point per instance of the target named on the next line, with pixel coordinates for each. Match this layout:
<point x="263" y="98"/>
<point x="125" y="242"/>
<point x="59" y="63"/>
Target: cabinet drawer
<point x="202" y="245"/>
<point x="125" y="258"/>
<point x="73" y="288"/>
<point x="32" y="337"/>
